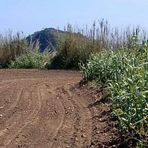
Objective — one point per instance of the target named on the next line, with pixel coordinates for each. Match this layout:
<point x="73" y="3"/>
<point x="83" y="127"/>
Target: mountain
<point x="46" y="38"/>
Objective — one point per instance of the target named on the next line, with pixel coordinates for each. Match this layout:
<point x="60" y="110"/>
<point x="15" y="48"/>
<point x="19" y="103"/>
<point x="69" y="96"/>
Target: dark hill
<point x="46" y="38"/>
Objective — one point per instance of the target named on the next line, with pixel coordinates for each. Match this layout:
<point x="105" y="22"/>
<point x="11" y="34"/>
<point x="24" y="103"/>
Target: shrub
<point x="71" y="50"/>
<point x="32" y="59"/>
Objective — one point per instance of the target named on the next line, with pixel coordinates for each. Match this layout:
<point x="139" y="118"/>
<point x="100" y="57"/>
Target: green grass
<point x="125" y="73"/>
<point x="32" y="59"/>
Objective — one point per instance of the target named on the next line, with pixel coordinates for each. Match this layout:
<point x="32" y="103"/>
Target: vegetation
<point x="73" y="45"/>
<point x="16" y="52"/>
<point x="32" y="59"/>
<point x="125" y="73"/>
<point x="76" y="45"/>
<point x="115" y="59"/>
<point x="11" y="46"/>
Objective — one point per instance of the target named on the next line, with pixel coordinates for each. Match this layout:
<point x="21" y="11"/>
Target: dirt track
<point x="42" y="109"/>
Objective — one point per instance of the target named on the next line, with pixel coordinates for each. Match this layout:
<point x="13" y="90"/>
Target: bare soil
<point x="46" y="109"/>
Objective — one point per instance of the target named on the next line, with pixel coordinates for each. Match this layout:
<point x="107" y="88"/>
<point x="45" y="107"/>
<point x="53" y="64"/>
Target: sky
<point x="28" y="16"/>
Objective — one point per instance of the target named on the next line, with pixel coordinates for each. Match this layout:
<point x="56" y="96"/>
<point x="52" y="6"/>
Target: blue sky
<point x="33" y="15"/>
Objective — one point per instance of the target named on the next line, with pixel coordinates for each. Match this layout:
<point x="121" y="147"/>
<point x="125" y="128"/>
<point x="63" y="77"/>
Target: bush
<point x="71" y="49"/>
<point x="32" y="59"/>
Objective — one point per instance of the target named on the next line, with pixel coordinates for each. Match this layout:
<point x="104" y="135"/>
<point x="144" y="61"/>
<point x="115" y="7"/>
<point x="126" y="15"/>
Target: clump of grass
<point x="33" y="59"/>
<point x="11" y="46"/>
<point x="125" y="73"/>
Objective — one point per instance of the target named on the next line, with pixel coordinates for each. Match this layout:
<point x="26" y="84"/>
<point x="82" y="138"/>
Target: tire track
<point x="79" y="122"/>
<point x="86" y="124"/>
<point x="42" y="121"/>
<point x="67" y="128"/>
<point x="30" y="118"/>
<point x="6" y="95"/>
<point x="60" y="124"/>
<point x="13" y="117"/>
<point x="6" y="84"/>
<point x="10" y="111"/>
<point x="84" y="130"/>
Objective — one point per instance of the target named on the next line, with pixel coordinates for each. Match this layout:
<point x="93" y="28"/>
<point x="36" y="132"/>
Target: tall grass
<point x="11" y="46"/>
<point x="78" y="43"/>
<point x="125" y="73"/>
<point x="16" y="52"/>
<point x="33" y="59"/>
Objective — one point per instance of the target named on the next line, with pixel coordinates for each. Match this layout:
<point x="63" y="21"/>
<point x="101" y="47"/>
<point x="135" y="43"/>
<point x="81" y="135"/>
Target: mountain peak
<point x="46" y="38"/>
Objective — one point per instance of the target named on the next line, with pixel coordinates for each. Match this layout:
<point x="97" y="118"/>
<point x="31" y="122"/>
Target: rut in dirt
<point x="43" y="109"/>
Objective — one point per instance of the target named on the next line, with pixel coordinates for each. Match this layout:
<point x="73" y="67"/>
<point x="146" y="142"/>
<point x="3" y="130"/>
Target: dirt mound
<point x="43" y="109"/>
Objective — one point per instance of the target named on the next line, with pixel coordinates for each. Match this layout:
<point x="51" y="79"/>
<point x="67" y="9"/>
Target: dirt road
<point x="43" y="109"/>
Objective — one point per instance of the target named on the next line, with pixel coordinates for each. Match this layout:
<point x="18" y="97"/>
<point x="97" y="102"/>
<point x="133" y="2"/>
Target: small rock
<point x="76" y="139"/>
<point x="83" y="136"/>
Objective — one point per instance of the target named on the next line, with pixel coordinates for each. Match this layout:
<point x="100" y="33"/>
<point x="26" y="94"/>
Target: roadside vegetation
<point x="78" y="43"/>
<point x="32" y="59"/>
<point x="125" y="73"/>
<point x="16" y="52"/>
<point x="11" y="46"/>
<point x="115" y="59"/>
